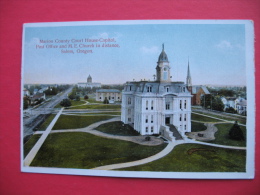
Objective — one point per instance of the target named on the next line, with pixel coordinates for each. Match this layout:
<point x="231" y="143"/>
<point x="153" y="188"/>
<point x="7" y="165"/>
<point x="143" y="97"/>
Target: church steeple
<point x="163" y="67"/>
<point x="188" y="79"/>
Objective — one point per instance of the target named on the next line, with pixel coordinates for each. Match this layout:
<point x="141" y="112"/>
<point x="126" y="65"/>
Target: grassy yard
<point x="222" y="136"/>
<point x="99" y="106"/>
<point x="195" y="126"/>
<point x="74" y="122"/>
<point x="197" y="158"/>
<point x="83" y="150"/>
<point x="46" y="123"/>
<point x="29" y="145"/>
<point x="117" y="128"/>
<point x="224" y="117"/>
<point x="73" y="103"/>
<point x="201" y="118"/>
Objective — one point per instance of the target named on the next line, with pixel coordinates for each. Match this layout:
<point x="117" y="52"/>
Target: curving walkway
<point x="157" y="156"/>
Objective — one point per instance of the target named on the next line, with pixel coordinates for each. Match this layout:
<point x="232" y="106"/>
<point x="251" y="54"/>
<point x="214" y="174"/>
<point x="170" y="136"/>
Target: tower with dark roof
<point x="163" y="68"/>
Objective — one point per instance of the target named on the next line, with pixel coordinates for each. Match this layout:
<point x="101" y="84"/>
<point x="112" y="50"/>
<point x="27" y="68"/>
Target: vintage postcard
<point x="144" y="98"/>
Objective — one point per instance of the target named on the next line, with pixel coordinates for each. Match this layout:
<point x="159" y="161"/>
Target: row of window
<point x="147" y="129"/>
<point x="167" y="105"/>
<point x="146" y="119"/>
<point x="109" y="98"/>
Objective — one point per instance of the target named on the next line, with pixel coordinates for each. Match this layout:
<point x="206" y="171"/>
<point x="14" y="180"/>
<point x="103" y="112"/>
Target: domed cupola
<point x="163" y="56"/>
<point x="163" y="68"/>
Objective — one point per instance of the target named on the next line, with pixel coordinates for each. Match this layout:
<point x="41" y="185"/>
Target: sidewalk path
<point x="29" y="158"/>
<point x="157" y="156"/>
<point x="216" y="145"/>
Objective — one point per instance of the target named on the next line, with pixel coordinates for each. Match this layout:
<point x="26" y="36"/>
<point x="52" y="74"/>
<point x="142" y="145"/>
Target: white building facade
<point x="112" y="95"/>
<point x="153" y="107"/>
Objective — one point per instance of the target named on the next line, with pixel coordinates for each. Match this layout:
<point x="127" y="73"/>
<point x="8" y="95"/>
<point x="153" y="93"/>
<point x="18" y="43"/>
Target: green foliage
<point x="197" y="127"/>
<point x="74" y="122"/>
<point x="65" y="103"/>
<point x="86" y="151"/>
<point x="212" y="102"/>
<point x="230" y="110"/>
<point x="85" y="97"/>
<point x="201" y="118"/>
<point x="25" y="103"/>
<point x="106" y="101"/>
<point x="236" y="133"/>
<point x="117" y="128"/>
<point x="179" y="160"/>
<point x="77" y="98"/>
<point x="30" y="143"/>
<point x="72" y="96"/>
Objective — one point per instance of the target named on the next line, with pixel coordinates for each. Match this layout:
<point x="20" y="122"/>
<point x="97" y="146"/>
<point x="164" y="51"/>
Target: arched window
<point x="146" y="104"/>
<point x="152" y="105"/>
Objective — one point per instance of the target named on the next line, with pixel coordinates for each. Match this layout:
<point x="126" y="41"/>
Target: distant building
<point x="241" y="106"/>
<point x="158" y="107"/>
<point x="89" y="84"/>
<point x="112" y="95"/>
<point x="196" y="90"/>
<point x="37" y="97"/>
<point x="229" y="102"/>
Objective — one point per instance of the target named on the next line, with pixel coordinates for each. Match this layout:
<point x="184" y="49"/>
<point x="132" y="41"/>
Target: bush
<point x="72" y="96"/>
<point x="77" y="98"/>
<point x="85" y="97"/>
<point x="230" y="110"/>
<point x="65" y="103"/>
<point x="106" y="101"/>
<point x="236" y="133"/>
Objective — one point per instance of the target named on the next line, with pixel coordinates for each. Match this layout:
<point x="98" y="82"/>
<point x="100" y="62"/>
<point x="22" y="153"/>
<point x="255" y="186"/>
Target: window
<point x="129" y="100"/>
<point x="152" y="129"/>
<point x="129" y="111"/>
<point x="167" y="106"/>
<point x="152" y="105"/>
<point x="146" y="119"/>
<point x="180" y="103"/>
<point x="130" y="88"/>
<point x="185" y="102"/>
<point x="100" y="98"/>
<point x="146" y="104"/>
<point x="167" y="89"/>
<point x="184" y="127"/>
<point x="152" y="119"/>
<point x="180" y="117"/>
<point x="146" y="129"/>
<point x="184" y="117"/>
<point x="165" y="75"/>
<point x="149" y="89"/>
<point x="129" y="119"/>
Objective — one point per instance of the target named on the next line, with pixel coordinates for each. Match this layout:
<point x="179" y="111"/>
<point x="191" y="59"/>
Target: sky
<point x="215" y="52"/>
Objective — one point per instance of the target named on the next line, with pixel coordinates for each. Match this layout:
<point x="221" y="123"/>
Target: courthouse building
<point x="158" y="107"/>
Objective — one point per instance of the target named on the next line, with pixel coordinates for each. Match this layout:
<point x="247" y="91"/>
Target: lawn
<point x="195" y="126"/>
<point x="73" y="103"/>
<point x="99" y="106"/>
<point x="86" y="151"/>
<point x="222" y="135"/>
<point x="75" y="122"/>
<point x="46" y="123"/>
<point x="117" y="128"/>
<point x="30" y="143"/>
<point x="201" y="118"/>
<point x="197" y="158"/>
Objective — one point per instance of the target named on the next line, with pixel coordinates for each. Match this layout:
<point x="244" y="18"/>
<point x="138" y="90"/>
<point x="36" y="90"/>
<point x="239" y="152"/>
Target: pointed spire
<point x="188" y="74"/>
<point x="188" y="79"/>
<point x="163" y="46"/>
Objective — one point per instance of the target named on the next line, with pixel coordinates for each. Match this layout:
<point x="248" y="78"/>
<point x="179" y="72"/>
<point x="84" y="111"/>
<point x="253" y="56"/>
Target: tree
<point x="25" y="103"/>
<point x="106" y="101"/>
<point x="72" y="96"/>
<point x="77" y="98"/>
<point x="85" y="97"/>
<point x="230" y="110"/>
<point x="65" y="103"/>
<point x="212" y="102"/>
<point x="236" y="133"/>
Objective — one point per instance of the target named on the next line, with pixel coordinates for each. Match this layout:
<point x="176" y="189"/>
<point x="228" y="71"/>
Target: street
<point x="34" y="116"/>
